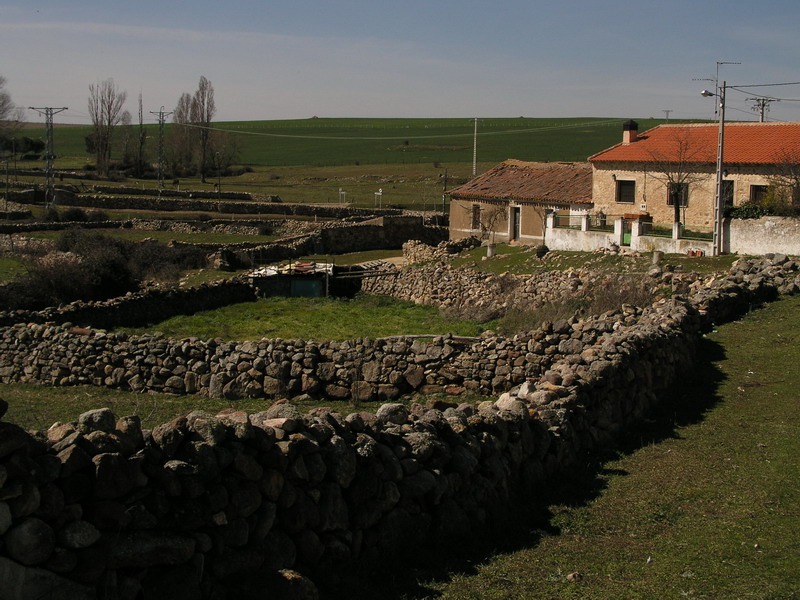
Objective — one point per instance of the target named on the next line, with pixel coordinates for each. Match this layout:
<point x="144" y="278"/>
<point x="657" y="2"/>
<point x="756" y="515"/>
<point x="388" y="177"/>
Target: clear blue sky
<point x="404" y="58"/>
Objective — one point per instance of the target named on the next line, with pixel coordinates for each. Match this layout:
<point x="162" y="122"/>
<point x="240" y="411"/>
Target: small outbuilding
<point x="509" y="202"/>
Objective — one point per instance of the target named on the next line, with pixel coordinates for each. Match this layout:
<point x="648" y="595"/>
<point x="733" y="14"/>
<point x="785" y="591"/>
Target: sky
<point x="270" y="59"/>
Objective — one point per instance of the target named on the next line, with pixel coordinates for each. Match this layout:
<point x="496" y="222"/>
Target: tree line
<point x="191" y="146"/>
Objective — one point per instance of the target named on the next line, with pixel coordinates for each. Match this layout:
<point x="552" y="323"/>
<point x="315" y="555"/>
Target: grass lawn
<point x="10" y="268"/>
<point x="703" y="502"/>
<point x="315" y="319"/>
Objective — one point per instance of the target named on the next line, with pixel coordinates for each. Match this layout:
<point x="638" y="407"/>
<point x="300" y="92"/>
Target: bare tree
<point x="491" y="217"/>
<point x="202" y="112"/>
<point x="181" y="138"/>
<point x="225" y="150"/>
<point x="11" y="116"/>
<point x="105" y="110"/>
<point x="141" y="140"/>
<point x="680" y="165"/>
<point x="786" y="180"/>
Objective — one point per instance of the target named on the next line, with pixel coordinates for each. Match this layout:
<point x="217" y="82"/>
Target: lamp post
<point x="718" y="244"/>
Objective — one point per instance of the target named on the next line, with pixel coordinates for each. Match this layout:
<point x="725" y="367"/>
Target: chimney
<point x="630" y="130"/>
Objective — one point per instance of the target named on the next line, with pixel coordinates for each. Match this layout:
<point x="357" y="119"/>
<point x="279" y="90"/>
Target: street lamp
<point x="718" y="245"/>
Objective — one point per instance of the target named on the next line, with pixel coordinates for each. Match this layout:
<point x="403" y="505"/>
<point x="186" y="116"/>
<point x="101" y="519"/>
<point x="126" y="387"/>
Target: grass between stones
<point x="522" y="260"/>
<point x="315" y="319"/>
<point x="700" y="502"/>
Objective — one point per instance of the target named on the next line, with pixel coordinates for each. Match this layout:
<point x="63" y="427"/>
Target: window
<point x="476" y="216"/>
<point x="727" y="194"/>
<point x="758" y="194"/>
<point x="626" y="191"/>
<point x="678" y="193"/>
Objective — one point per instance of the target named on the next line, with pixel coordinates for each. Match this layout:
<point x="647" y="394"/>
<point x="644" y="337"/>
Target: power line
<point x="48" y="112"/>
<point x="162" y="116"/>
<point x="418" y="137"/>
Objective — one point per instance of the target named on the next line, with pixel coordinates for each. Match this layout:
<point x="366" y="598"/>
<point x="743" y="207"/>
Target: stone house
<point x="674" y="166"/>
<point x="509" y="202"/>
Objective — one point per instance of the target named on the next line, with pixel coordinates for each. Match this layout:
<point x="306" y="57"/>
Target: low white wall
<point x="574" y="239"/>
<point x="651" y="243"/>
<point x="764" y="235"/>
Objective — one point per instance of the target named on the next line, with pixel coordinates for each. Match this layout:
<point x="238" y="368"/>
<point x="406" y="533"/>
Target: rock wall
<point x="137" y="309"/>
<point x="236" y="506"/>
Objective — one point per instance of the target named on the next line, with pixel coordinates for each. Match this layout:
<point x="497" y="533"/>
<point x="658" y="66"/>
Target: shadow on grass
<point x="526" y="524"/>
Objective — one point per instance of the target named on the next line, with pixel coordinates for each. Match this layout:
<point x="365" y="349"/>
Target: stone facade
<point x="651" y="193"/>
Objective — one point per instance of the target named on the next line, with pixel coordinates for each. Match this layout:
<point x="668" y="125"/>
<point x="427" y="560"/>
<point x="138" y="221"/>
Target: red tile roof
<point x="745" y="143"/>
<point x="552" y="183"/>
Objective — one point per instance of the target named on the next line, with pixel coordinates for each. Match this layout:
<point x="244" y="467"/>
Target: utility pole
<point x="162" y="117"/>
<point x="762" y="106"/>
<point x="666" y="114"/>
<point x="475" y="149"/>
<point x="48" y="112"/>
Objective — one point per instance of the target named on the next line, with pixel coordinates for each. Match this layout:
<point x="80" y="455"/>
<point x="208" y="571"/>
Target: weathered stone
<point x="23" y="583"/>
<point x="30" y="542"/>
<point x="392" y="413"/>
<point x="101" y="419"/>
<point x="139" y="550"/>
<point x="78" y="534"/>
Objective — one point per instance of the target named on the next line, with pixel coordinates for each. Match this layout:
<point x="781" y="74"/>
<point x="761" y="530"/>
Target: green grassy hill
<point x="332" y="142"/>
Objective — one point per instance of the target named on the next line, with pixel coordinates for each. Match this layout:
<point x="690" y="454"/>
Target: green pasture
<point x="330" y="142"/>
<point x="314" y="318"/>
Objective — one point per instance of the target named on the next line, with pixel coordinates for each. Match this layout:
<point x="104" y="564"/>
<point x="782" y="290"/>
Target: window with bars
<point x="626" y="191"/>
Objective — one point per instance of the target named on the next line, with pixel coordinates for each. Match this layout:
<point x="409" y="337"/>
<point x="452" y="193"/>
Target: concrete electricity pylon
<point x="762" y="106"/>
<point x="48" y="112"/>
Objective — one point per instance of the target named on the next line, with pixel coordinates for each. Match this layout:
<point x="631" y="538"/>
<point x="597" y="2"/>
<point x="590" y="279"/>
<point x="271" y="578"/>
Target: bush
<point x="748" y="210"/>
<point x="73" y="213"/>
<point x="51" y="215"/>
<point x="96" y="216"/>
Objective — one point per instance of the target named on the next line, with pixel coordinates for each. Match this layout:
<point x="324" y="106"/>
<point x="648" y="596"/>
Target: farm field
<point x="411" y="161"/>
<point x="331" y="142"/>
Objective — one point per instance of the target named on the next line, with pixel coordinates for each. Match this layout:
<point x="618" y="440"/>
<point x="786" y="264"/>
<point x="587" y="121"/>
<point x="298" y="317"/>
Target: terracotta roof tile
<point x="745" y="143"/>
<point x="553" y="183"/>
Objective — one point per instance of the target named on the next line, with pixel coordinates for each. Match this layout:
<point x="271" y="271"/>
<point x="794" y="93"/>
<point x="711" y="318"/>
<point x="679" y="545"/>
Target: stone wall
<point x="235" y="505"/>
<point x="767" y="234"/>
<point x="137" y="309"/>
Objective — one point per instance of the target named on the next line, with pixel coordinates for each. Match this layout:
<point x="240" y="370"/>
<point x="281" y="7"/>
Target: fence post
<point x="619" y="231"/>
<point x="676" y="231"/>
<point x="585" y="222"/>
<point x="549" y="221"/>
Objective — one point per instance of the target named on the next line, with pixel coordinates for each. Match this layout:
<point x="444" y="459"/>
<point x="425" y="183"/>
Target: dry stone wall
<point x="237" y="506"/>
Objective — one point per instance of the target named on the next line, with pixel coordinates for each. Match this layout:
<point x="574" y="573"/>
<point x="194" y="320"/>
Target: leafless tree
<point x="225" y="150"/>
<point x="11" y="116"/>
<point x="105" y="110"/>
<point x="786" y="180"/>
<point x="203" y="110"/>
<point x="680" y="165"/>
<point x="141" y="141"/>
<point x="181" y="137"/>
<point x="491" y="217"/>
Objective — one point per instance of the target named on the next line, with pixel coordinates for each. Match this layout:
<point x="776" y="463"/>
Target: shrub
<point x="96" y="216"/>
<point x="51" y="215"/>
<point x="73" y="213"/>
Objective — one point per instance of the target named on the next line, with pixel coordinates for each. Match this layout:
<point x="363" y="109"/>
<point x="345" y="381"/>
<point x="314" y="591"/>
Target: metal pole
<point x="475" y="149"/>
<point x="719" y="246"/>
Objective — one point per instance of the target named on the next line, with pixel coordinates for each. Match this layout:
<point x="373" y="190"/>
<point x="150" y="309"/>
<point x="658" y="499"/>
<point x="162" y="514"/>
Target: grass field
<point x="330" y="142"/>
<point x="314" y="318"/>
